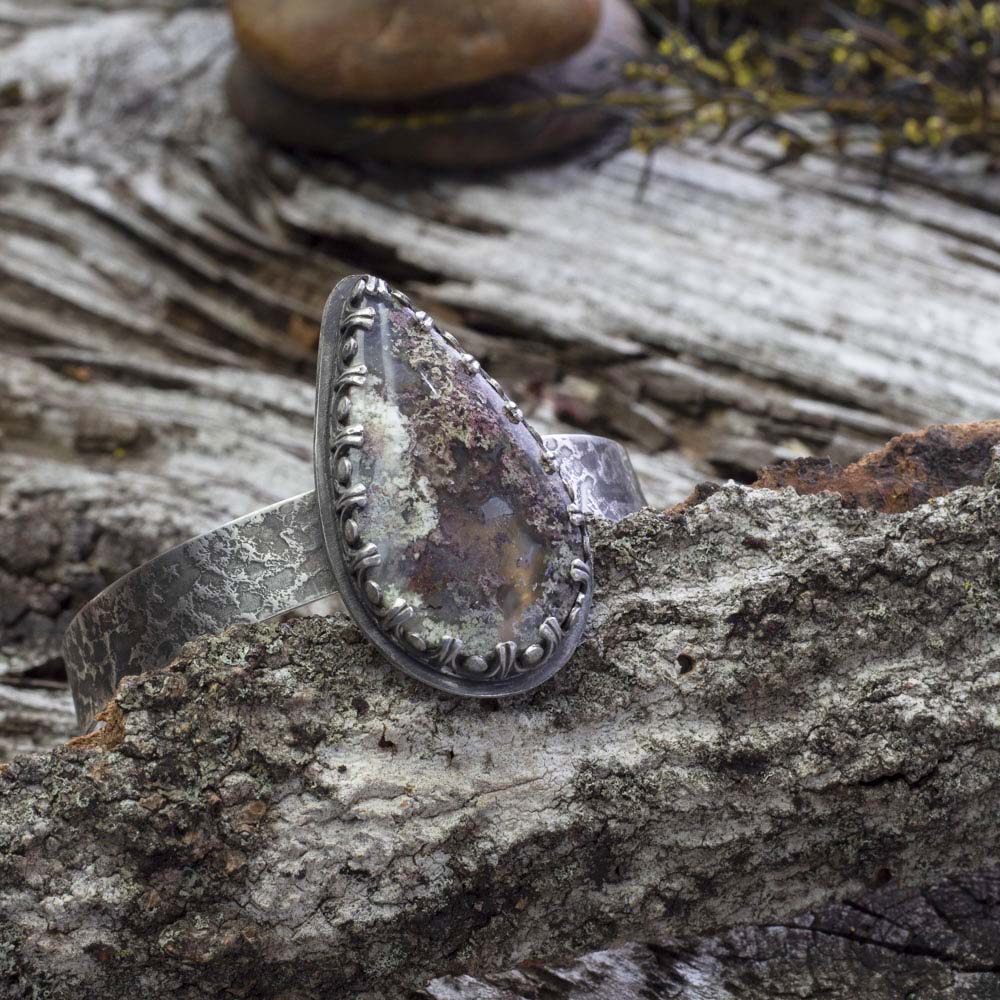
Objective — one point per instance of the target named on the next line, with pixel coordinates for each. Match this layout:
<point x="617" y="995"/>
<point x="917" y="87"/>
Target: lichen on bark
<point x="779" y="698"/>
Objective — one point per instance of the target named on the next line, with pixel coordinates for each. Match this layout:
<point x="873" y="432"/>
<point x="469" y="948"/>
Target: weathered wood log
<point x="161" y="276"/>
<point x="780" y="698"/>
<point x="939" y="943"/>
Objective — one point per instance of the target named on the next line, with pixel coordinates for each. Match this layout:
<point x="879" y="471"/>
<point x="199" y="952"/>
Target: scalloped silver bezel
<point x="509" y="669"/>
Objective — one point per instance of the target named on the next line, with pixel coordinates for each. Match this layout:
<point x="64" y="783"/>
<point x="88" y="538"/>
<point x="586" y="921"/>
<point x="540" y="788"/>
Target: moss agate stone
<point x="456" y="526"/>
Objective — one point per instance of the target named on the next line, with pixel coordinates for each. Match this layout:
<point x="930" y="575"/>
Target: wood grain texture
<point x="162" y="276"/>
<point x="161" y="280"/>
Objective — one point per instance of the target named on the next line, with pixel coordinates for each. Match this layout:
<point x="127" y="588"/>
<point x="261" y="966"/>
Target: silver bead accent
<point x="470" y="364"/>
<point x="532" y="656"/>
<point x="351" y="531"/>
<point x="416" y="641"/>
<point x="348" y="348"/>
<point x="373" y="592"/>
<point x="513" y="411"/>
<point x="344" y="470"/>
<point x="475" y="665"/>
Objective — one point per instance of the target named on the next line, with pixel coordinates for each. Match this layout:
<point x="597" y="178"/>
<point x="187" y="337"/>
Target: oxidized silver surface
<point x="307" y="547"/>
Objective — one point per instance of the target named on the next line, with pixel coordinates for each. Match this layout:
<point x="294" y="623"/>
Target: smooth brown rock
<point x="379" y="50"/>
<point x="466" y="128"/>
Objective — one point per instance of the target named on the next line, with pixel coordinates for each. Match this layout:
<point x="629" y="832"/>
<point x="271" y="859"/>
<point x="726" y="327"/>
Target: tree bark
<point x="936" y="943"/>
<point x="780" y="698"/>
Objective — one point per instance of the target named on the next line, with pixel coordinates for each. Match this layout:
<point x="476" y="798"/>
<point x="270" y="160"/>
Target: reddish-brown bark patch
<point x="109" y="737"/>
<point x="908" y="471"/>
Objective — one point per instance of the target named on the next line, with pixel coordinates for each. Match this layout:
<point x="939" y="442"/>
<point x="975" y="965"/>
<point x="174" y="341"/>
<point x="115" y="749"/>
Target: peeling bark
<point x="910" y="470"/>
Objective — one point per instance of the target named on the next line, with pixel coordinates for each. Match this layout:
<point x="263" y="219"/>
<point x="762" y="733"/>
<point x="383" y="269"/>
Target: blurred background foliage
<point x="869" y="77"/>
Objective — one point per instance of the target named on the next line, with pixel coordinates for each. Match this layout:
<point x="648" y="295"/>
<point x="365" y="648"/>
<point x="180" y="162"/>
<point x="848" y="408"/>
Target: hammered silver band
<point x="258" y="566"/>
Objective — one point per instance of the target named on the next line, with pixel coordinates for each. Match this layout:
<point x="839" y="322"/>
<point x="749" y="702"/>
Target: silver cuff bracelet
<point x="455" y="534"/>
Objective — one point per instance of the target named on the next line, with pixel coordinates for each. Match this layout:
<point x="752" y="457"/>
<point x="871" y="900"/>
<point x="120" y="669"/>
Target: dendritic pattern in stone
<point x="453" y="523"/>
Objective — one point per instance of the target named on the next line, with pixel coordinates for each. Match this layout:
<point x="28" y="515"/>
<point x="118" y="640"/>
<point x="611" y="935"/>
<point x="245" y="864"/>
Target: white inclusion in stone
<point x="401" y="506"/>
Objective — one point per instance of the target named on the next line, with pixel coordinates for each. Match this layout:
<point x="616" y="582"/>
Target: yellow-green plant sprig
<point x="895" y="73"/>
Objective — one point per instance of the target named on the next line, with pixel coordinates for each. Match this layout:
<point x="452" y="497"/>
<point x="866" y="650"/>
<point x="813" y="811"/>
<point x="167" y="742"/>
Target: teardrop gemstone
<point x="453" y="528"/>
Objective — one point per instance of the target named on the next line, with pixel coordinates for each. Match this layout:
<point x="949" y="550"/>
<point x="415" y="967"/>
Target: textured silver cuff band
<point x="258" y="566"/>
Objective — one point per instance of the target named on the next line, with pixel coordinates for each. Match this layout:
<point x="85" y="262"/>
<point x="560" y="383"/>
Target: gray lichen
<point x="778" y="699"/>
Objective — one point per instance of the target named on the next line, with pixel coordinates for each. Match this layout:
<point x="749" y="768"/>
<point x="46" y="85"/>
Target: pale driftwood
<point x="34" y="717"/>
<point x="778" y="699"/>
<point x="161" y="277"/>
<point x="717" y="319"/>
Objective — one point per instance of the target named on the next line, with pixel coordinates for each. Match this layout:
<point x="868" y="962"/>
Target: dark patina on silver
<point x="454" y="533"/>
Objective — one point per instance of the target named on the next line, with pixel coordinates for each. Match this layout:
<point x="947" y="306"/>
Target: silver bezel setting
<point x="509" y="668"/>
